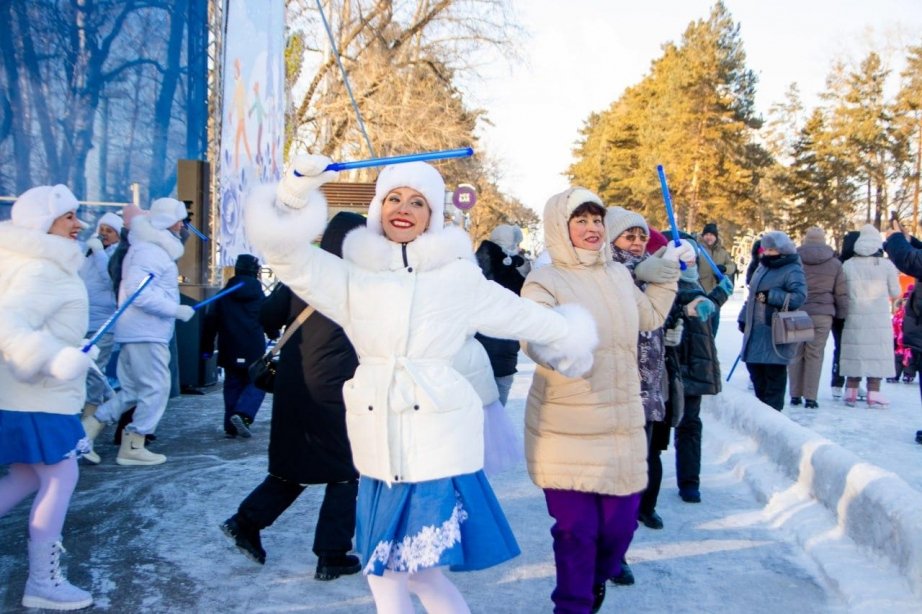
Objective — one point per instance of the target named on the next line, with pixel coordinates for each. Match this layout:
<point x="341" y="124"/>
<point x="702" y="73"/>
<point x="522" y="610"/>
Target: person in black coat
<point x="234" y="319"/>
<point x="308" y="443"/>
<point x="500" y="260"/>
<point x="695" y="357"/>
<point x="906" y="253"/>
<point x="838" y="324"/>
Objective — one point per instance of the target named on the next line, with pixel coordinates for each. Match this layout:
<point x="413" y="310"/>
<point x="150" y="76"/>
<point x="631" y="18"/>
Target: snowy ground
<point x="147" y="539"/>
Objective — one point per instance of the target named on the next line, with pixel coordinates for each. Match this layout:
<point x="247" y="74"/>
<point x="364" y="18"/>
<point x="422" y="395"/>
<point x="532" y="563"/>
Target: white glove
<point x="683" y="251"/>
<point x="576" y="366"/>
<point x="69" y="363"/>
<point x="673" y="336"/>
<point x="184" y="313"/>
<point x="304" y="175"/>
<point x="94" y="244"/>
<point x="656" y="270"/>
<point x="93" y="352"/>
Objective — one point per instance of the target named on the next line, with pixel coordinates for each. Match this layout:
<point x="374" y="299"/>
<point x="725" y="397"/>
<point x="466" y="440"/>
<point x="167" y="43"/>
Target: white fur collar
<point x="29" y="243"/>
<point x="428" y="252"/>
<point x="143" y="232"/>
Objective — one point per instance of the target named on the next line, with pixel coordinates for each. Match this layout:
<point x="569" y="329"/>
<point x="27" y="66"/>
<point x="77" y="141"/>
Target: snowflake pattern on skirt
<point x="422" y="550"/>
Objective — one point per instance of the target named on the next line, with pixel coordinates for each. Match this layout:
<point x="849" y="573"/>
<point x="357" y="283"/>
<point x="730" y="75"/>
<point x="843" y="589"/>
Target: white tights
<point x="53" y="485"/>
<point x="436" y="592"/>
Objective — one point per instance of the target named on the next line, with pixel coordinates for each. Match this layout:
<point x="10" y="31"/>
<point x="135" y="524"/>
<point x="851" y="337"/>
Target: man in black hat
<point x="234" y="319"/>
<point x="710" y="242"/>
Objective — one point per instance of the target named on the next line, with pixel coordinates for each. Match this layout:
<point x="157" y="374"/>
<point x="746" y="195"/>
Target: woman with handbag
<point x="777" y="283"/>
<point x="307" y="438"/>
<point x="867" y="337"/>
<point x="408" y="294"/>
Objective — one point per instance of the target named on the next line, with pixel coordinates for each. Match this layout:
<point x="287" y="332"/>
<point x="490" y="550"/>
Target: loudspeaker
<point x="194" y="371"/>
<point x="193" y="181"/>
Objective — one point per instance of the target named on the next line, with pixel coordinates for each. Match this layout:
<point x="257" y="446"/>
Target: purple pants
<point x="591" y="534"/>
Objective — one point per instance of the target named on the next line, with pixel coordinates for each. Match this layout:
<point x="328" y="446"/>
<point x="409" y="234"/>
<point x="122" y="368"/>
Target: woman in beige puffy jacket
<point x="584" y="436"/>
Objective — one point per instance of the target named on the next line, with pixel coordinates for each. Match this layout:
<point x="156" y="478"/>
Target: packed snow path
<point x="147" y="539"/>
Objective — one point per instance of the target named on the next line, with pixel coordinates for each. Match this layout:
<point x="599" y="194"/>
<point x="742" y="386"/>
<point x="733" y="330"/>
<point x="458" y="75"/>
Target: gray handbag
<point x="791" y="326"/>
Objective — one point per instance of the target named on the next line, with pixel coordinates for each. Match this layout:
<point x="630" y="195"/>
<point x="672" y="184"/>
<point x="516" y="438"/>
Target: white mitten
<point x="304" y="175"/>
<point x="69" y="363"/>
<point x="574" y="366"/>
<point x="93" y="352"/>
<point x="682" y="252"/>
<point x="656" y="270"/>
<point x="673" y="336"/>
<point x="94" y="244"/>
<point x="184" y="313"/>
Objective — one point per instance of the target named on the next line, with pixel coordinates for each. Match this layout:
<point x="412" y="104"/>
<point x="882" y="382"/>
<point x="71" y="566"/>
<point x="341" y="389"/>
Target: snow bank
<point x="874" y="507"/>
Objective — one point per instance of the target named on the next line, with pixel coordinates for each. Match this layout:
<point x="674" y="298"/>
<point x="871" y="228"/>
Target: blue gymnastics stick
<point x="464" y="152"/>
<point x="670" y="213"/>
<point x="733" y="368"/>
<point x="220" y="294"/>
<point x="714" y="268"/>
<point x="115" y="316"/>
<point x="201" y="235"/>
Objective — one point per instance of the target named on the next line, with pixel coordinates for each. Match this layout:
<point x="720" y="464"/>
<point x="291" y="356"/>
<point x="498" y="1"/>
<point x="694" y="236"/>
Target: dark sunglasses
<point x="630" y="236"/>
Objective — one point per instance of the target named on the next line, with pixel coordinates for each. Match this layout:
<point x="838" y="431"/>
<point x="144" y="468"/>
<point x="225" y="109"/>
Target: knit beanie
<point x="657" y="240"/>
<point x="164" y="212"/>
<point x="618" y="219"/>
<point x="37" y="208"/>
<point x="869" y="241"/>
<point x="710" y="228"/>
<point x="423" y="178"/>
<point x="112" y="220"/>
<point x="578" y="196"/>
<point x="815" y="236"/>
<point x="247" y="264"/>
<point x="507" y="237"/>
<point x="776" y="239"/>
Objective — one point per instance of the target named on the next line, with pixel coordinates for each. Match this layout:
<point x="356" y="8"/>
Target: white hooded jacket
<point x="152" y="316"/>
<point x="43" y="309"/>
<point x="408" y="309"/>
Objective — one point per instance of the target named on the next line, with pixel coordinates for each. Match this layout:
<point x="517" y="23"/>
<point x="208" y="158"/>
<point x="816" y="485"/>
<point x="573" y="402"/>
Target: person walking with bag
<point x="778" y="281"/>
<point x="827" y="299"/>
<point x="308" y="443"/>
<point x="867" y="338"/>
<point x="408" y="294"/>
<point x="43" y="316"/>
<point x="234" y="320"/>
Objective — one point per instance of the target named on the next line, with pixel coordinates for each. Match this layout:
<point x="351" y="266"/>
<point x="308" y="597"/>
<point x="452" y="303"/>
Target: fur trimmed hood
<point x="143" y="232"/>
<point x="429" y="251"/>
<point x="28" y="243"/>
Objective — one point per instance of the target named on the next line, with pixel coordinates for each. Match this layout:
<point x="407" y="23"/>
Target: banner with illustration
<point x="253" y="115"/>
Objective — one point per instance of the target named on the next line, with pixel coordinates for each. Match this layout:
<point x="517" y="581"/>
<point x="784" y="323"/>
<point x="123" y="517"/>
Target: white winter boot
<point x="47" y="587"/>
<point x="876" y="400"/>
<point x="92" y="427"/>
<point x="133" y="453"/>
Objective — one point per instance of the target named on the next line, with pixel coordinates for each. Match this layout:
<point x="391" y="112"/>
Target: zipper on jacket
<point x="403" y="252"/>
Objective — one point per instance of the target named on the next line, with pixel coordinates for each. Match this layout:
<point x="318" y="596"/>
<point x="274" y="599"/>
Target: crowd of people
<point x="399" y="350"/>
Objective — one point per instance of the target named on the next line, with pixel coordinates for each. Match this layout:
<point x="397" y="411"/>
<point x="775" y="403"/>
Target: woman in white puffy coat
<point x="408" y="295"/>
<point x="867" y="337"/>
<point x="43" y="316"/>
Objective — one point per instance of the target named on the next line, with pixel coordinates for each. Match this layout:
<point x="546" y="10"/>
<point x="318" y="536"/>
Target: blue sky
<point x="580" y="55"/>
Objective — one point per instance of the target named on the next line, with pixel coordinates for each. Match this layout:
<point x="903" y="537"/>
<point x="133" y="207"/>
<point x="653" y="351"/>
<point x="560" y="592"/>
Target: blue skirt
<point x="454" y="521"/>
<point x="38" y="437"/>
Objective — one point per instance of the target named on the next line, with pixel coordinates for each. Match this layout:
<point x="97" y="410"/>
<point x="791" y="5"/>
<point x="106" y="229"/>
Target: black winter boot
<point x="246" y="537"/>
<point x="598" y="592"/>
<point x="625" y="578"/>
<point x="334" y="566"/>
